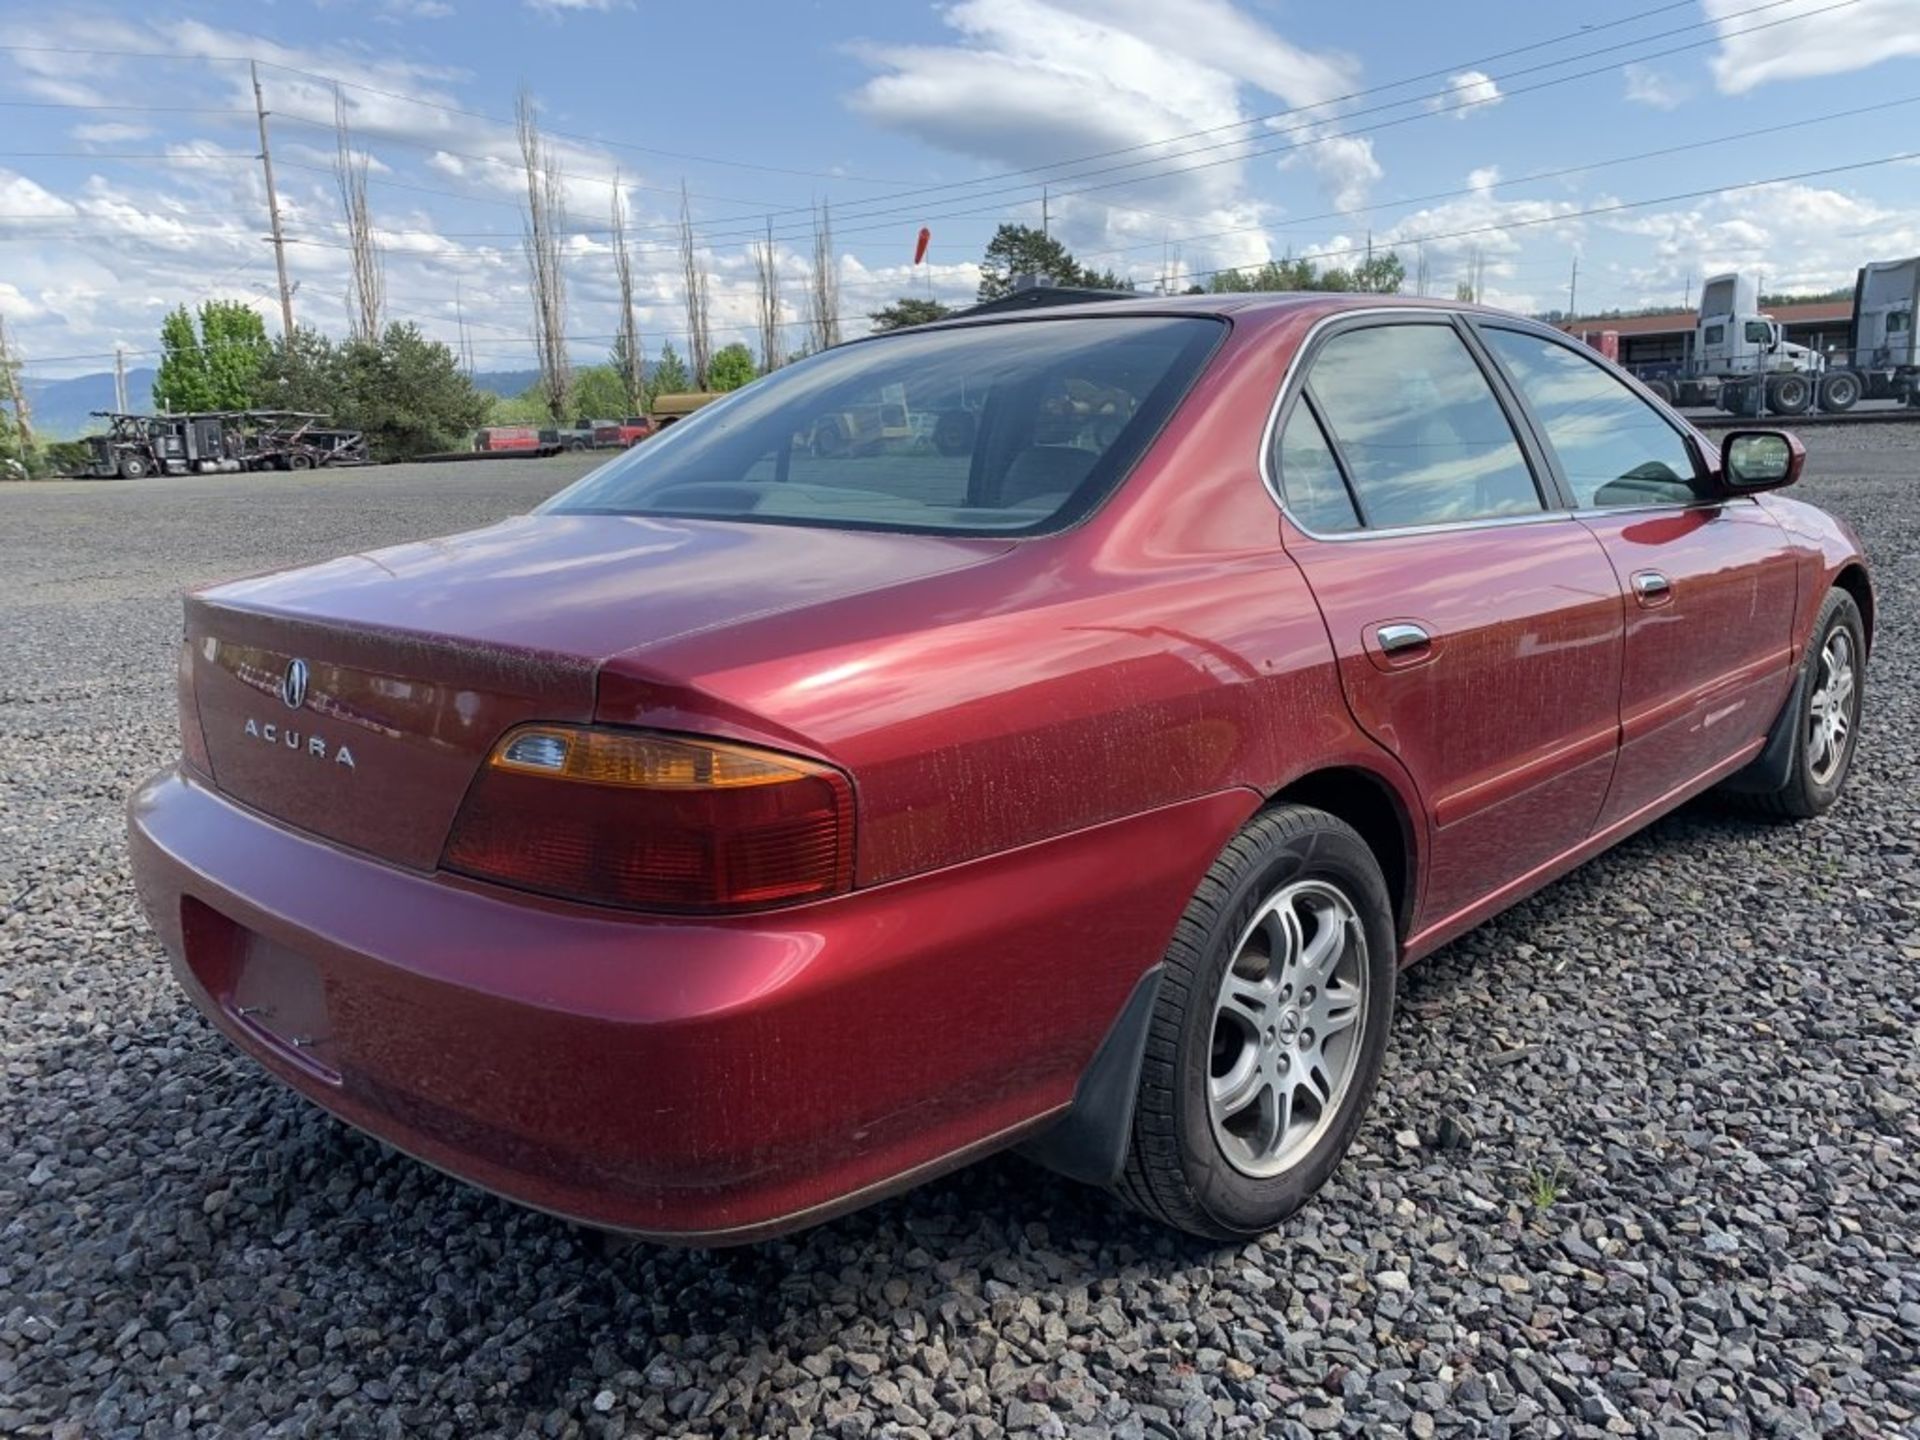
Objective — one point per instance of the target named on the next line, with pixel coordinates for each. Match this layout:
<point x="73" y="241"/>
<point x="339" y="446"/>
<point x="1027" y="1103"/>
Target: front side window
<point x="1613" y="447"/>
<point x="1715" y="335"/>
<point x="1899" y="322"/>
<point x="1015" y="428"/>
<point x="1424" y="440"/>
<point x="1759" y="332"/>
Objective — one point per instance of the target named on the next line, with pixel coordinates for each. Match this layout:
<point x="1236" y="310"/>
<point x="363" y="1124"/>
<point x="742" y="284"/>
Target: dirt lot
<point x="1644" y="1160"/>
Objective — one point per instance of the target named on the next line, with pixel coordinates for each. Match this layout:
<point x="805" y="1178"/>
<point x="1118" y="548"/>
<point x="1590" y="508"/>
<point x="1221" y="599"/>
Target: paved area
<point x="1643" y="1162"/>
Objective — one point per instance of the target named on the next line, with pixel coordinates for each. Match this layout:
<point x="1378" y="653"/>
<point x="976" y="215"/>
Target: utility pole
<point x="1573" y="289"/>
<point x="1686" y="298"/>
<point x="120" y="378"/>
<point x="273" y="210"/>
<point x="1046" y="218"/>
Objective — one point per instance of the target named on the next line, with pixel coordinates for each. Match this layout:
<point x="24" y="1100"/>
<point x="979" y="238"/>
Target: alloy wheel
<point x="1830" y="715"/>
<point x="1287" y="1027"/>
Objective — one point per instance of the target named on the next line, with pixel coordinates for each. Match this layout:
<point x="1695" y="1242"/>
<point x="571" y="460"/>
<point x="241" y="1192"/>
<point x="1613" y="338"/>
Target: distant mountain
<point x="505" y="382"/>
<point x="61" y="408"/>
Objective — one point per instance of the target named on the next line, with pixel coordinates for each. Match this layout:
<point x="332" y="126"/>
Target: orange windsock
<point x="920" y="245"/>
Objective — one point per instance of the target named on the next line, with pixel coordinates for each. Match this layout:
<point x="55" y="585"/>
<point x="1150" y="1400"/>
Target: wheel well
<point x="1365" y="802"/>
<point x="1853" y="580"/>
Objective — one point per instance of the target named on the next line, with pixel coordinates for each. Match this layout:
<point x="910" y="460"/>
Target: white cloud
<point x="1842" y="39"/>
<point x="1483" y="179"/>
<point x="1468" y="93"/>
<point x="1648" y="86"/>
<point x="1024" y="83"/>
<point x="1801" y="238"/>
<point x="556" y="7"/>
<point x="109" y="132"/>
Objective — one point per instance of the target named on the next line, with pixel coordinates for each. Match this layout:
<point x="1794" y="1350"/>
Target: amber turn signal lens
<point x="654" y="822"/>
<point x="645" y="762"/>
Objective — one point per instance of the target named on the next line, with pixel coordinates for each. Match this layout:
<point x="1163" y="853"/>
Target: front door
<point x="1708" y="583"/>
<point x="1477" y="624"/>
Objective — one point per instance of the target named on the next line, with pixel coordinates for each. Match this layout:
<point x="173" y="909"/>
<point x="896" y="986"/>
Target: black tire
<point x="1809" y="790"/>
<point x="132" y="467"/>
<point x="1177" y="1171"/>
<point x="1789" y="394"/>
<point x="1660" y="390"/>
<point x="1839" y="392"/>
<point x="297" y="461"/>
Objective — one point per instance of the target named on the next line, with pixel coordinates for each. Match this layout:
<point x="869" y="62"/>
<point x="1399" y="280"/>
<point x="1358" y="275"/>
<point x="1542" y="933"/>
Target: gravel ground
<point x="1644" y="1160"/>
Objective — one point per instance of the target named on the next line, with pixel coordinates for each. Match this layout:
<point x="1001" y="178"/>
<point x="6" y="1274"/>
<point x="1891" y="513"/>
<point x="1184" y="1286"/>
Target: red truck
<point x="621" y="434"/>
<point x="509" y="437"/>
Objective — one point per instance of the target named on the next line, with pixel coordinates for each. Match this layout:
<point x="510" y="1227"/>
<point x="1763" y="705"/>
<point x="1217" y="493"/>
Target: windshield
<point x="1003" y="429"/>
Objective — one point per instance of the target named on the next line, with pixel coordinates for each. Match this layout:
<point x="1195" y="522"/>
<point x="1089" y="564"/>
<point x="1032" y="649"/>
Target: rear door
<point x="1708" y="582"/>
<point x="1477" y="624"/>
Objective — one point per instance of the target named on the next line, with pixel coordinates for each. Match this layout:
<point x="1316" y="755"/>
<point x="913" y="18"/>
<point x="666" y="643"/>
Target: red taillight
<point x="193" y="742"/>
<point x="654" y="822"/>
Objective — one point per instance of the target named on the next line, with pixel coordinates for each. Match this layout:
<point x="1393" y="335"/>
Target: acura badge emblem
<point x="293" y="685"/>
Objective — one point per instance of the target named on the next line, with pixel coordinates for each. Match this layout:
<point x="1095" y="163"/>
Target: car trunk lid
<point x="355" y="699"/>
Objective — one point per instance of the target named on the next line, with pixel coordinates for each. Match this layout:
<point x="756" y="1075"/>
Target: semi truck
<point x="1743" y="363"/>
<point x="1885" y="296"/>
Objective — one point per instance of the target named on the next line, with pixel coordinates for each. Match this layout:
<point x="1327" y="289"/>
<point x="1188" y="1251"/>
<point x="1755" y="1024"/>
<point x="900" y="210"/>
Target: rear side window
<point x="1310" y="477"/>
<point x="1424" y="440"/>
<point x="1613" y="447"/>
<point x="1015" y="428"/>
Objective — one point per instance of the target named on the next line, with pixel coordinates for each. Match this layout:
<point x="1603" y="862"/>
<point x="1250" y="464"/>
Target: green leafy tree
<point x="1381" y="274"/>
<point x="181" y="382"/>
<point x="669" y="375"/>
<point x="236" y="347"/>
<point x="527" y="408"/>
<point x="1018" y="250"/>
<point x="908" y="310"/>
<point x="599" y="393"/>
<point x="302" y="375"/>
<point x="731" y="367"/>
<point x="216" y="365"/>
<point x="407" y="393"/>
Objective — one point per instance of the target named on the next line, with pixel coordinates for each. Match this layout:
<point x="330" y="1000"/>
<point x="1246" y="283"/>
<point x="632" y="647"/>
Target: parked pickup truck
<point x="621" y="434"/>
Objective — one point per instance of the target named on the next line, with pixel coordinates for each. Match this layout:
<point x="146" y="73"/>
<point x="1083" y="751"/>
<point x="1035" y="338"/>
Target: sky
<point x="1646" y="144"/>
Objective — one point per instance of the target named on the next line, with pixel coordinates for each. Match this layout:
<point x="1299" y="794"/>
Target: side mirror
<point x="1760" y="460"/>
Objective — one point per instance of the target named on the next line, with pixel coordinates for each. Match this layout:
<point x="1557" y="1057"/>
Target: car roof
<point x="1263" y="304"/>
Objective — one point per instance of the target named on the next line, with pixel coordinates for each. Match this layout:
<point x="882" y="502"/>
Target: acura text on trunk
<point x="1052" y="729"/>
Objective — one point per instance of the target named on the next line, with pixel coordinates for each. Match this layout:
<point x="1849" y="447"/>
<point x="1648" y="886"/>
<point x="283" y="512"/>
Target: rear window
<point x="1001" y="429"/>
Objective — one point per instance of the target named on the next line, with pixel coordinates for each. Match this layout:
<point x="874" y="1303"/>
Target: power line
<point x="175" y="55"/>
<point x="856" y="213"/>
<point x="1533" y="178"/>
<point x="1609" y="209"/>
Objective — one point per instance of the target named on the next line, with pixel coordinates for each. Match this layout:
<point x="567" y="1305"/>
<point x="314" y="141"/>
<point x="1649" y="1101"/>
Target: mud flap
<point x="1772" y="768"/>
<point x="1090" y="1142"/>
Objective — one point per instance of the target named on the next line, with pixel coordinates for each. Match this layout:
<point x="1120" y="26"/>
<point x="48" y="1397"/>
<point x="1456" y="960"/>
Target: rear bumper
<point x="701" y="1082"/>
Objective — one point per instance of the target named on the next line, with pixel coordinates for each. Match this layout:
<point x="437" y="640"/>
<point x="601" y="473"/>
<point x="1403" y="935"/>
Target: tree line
<point x="1017" y="251"/>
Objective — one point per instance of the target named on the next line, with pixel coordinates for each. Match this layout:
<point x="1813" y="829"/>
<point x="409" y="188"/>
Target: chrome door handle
<point x="1401" y="638"/>
<point x="1652" y="587"/>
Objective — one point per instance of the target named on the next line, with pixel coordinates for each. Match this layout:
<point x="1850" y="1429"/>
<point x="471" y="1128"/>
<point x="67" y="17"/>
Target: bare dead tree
<point x="766" y="272"/>
<point x="545" y="219"/>
<point x="699" y="337"/>
<point x="367" y="290"/>
<point x="628" y="359"/>
<point x="14" y="391"/>
<point x="823" y="295"/>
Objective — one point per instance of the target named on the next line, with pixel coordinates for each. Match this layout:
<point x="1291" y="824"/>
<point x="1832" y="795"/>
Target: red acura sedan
<point x="1068" y="754"/>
